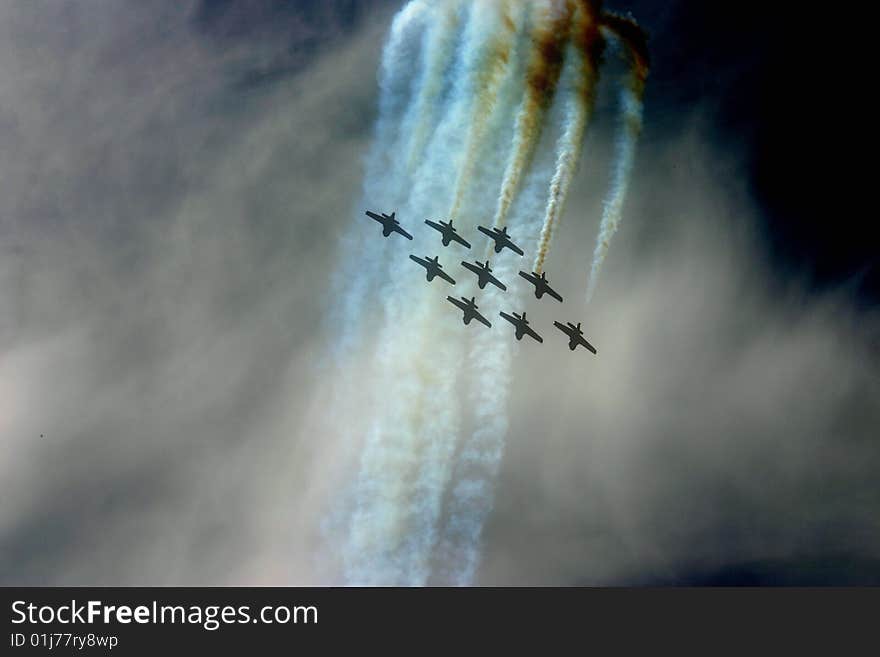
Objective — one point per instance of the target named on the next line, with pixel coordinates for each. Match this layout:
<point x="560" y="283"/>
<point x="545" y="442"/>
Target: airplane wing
<point x="510" y="319"/>
<point x="473" y="268"/>
<point x="419" y="260"/>
<point x="513" y="247"/>
<point x="457" y="303"/>
<point x="582" y="341"/>
<point x="446" y="277"/>
<point x="562" y="327"/>
<point x="496" y="282"/>
<point x="400" y="230"/>
<point x="434" y="225"/>
<point x="458" y="238"/>
<point x="530" y="278"/>
<point x="485" y="230"/>
<point x="533" y="334"/>
<point x="375" y="216"/>
<point x="479" y="317"/>
<point x="553" y="293"/>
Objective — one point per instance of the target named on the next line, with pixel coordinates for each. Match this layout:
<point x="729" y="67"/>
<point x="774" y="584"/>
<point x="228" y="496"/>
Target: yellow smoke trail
<point x="550" y="29"/>
<point x="585" y="50"/>
<point x="633" y="39"/>
<point x="437" y="51"/>
<point x="486" y="86"/>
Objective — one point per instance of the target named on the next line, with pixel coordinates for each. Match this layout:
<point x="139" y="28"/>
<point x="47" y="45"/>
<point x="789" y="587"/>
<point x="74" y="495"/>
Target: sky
<point x="176" y="183"/>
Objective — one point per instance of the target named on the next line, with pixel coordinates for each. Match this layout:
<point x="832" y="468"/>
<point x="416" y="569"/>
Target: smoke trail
<point x="471" y="497"/>
<point x="550" y="27"/>
<point x="457" y="120"/>
<point x="438" y="44"/>
<point x="630" y="35"/>
<point x="472" y="494"/>
<point x="487" y="81"/>
<point x="484" y="60"/>
<point x="403" y="43"/>
<point x="584" y="53"/>
<point x="388" y="529"/>
<point x="364" y="263"/>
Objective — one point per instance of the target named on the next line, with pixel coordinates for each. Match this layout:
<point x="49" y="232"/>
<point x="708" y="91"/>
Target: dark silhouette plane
<point x="502" y="239"/>
<point x="541" y="284"/>
<point x="522" y="326"/>
<point x="484" y="274"/>
<point x="448" y="231"/>
<point x="575" y="335"/>
<point x="389" y="224"/>
<point x="470" y="310"/>
<point x="433" y="267"/>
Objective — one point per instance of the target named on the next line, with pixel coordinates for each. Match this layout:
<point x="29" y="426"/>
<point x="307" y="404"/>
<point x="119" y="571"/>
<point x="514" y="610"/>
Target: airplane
<point x="470" y="310"/>
<point x="484" y="273"/>
<point x="448" y="231"/>
<point x="541" y="284"/>
<point x="522" y="326"/>
<point x="389" y="224"/>
<point x="501" y="238"/>
<point x="433" y="267"/>
<point x="575" y="335"/>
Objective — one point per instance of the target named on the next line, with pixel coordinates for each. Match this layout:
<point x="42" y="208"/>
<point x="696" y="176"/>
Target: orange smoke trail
<point x="486" y="85"/>
<point x="550" y="33"/>
<point x="587" y="45"/>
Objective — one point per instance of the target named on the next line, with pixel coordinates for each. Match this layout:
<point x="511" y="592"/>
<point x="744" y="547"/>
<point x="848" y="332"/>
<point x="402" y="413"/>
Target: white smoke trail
<point x="390" y="459"/>
<point x="364" y="262"/>
<point x="631" y="102"/>
<point x="439" y="42"/>
<point x="476" y="469"/>
<point x="485" y="57"/>
<point x="471" y="496"/>
<point x="493" y="65"/>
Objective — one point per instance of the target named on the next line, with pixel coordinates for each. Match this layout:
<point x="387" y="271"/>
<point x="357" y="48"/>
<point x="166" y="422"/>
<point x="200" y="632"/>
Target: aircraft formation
<point x="469" y="308"/>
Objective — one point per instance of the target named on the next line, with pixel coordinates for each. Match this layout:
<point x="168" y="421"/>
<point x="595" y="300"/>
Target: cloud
<point x="728" y="418"/>
<point x="165" y="239"/>
<point x="166" y="233"/>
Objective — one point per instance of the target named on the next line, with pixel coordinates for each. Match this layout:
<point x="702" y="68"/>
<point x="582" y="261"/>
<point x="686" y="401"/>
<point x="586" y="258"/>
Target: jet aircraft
<point x="470" y="310"/>
<point x="541" y="284"/>
<point x="501" y="238"/>
<point x="484" y="274"/>
<point x="433" y="268"/>
<point x="389" y="224"/>
<point x="448" y="231"/>
<point x="575" y="335"/>
<point x="522" y="326"/>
